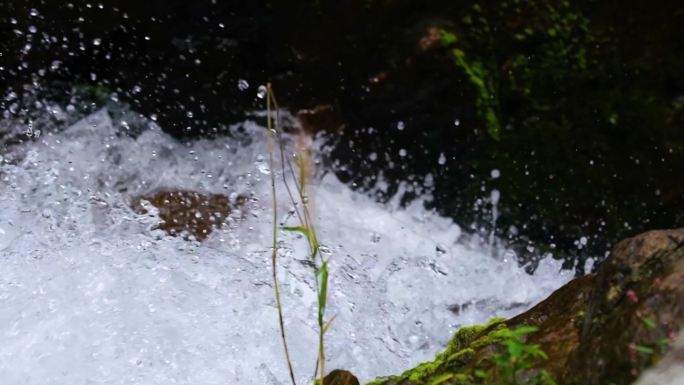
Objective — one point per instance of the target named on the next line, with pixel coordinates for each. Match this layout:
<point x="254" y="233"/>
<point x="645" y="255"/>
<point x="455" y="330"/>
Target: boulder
<point x="188" y="213"/>
<point x="603" y="328"/>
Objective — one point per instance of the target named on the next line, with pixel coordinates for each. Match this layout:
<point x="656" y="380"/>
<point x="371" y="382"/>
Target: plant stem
<point x="274" y="255"/>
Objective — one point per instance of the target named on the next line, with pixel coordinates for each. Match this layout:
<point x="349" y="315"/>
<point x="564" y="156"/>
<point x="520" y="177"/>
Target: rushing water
<point x="92" y="293"/>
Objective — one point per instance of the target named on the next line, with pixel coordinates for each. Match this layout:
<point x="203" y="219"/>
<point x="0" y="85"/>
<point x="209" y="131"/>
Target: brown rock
<point x="598" y="329"/>
<point x="340" y="377"/>
<point x="188" y="213"/>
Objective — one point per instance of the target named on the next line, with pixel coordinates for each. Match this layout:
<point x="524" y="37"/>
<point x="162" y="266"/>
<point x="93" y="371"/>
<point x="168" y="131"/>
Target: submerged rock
<point x="603" y="328"/>
<point x="188" y="213"/>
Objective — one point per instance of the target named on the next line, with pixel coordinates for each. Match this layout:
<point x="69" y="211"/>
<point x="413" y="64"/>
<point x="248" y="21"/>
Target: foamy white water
<point x="91" y="293"/>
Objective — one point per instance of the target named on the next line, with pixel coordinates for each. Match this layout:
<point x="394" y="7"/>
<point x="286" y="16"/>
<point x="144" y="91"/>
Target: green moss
<point x="458" y="354"/>
<point x="482" y="77"/>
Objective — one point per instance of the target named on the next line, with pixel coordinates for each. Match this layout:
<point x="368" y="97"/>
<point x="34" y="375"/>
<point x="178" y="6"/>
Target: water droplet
<point x="402" y="152"/>
<point x="97" y="42"/>
<point x="33" y="29"/>
<point x="242" y="84"/>
<point x="457" y="122"/>
<point x="442" y="159"/>
<point x="375" y="237"/>
<point x="400" y="125"/>
<point x="495" y="173"/>
<point x="261" y="92"/>
<point x="495" y="196"/>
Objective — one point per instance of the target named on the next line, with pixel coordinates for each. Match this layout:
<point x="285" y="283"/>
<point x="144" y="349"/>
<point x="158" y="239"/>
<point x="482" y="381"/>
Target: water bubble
<point x="243" y="85"/>
<point x="400" y="125"/>
<point x="402" y="152"/>
<point x="457" y="122"/>
<point x="97" y="42"/>
<point x="375" y="237"/>
<point x="495" y="173"/>
<point x="261" y="92"/>
<point x="442" y="159"/>
<point x="373" y="156"/>
<point x="33" y="29"/>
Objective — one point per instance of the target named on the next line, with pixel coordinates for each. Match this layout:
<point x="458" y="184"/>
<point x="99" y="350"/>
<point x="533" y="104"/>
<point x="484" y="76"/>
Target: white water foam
<point x="91" y="293"/>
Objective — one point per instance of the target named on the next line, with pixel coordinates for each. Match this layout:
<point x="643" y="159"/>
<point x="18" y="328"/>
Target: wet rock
<point x="637" y="302"/>
<point x="188" y="213"/>
<point x="601" y="328"/>
<point x="340" y="377"/>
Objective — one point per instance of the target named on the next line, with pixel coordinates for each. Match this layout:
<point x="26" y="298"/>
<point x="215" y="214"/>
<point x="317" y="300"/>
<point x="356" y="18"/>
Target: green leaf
<point x="322" y="279"/>
<point x="650" y="323"/>
<point x="298" y="229"/>
<point x="327" y="324"/>
<point x="644" y="349"/>
<point x="447" y="38"/>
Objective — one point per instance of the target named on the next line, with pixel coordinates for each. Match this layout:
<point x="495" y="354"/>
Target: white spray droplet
<point x="261" y="92"/>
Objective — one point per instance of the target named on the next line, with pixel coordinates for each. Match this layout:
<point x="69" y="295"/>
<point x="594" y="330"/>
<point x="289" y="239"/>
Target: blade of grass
<point x="274" y="255"/>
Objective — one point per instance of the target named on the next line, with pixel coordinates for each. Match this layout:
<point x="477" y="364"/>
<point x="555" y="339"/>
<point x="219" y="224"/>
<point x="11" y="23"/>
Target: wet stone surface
<point x="187" y="213"/>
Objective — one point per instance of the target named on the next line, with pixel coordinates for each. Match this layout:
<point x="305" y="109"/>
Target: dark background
<point x="587" y="97"/>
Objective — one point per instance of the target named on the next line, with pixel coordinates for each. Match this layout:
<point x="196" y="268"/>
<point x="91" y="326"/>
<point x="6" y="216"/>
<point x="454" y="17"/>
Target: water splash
<point x="93" y="292"/>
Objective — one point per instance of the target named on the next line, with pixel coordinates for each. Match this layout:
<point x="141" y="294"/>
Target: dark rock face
<point x="598" y="329"/>
<point x="187" y="213"/>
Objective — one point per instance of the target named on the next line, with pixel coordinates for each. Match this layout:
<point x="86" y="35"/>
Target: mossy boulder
<point x="603" y="328"/>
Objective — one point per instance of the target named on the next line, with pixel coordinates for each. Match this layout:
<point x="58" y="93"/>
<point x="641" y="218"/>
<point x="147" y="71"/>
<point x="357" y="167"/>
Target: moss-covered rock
<point x="598" y="329"/>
